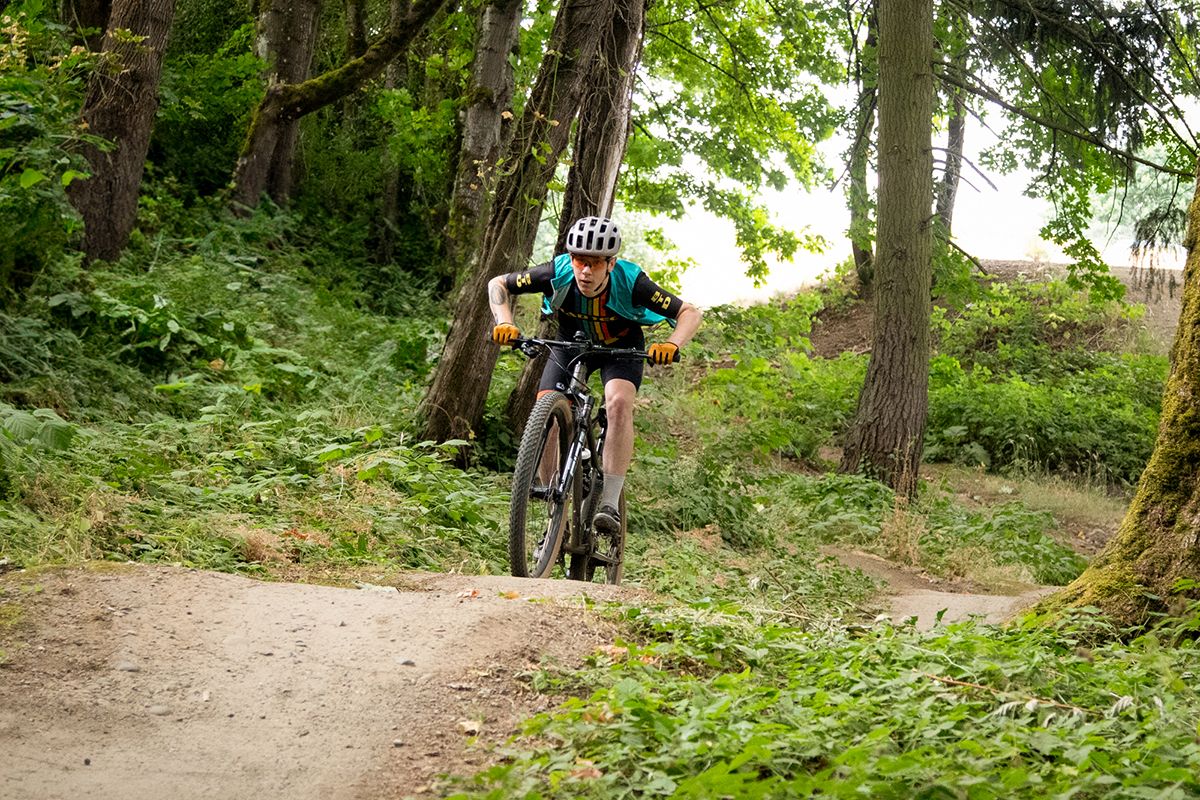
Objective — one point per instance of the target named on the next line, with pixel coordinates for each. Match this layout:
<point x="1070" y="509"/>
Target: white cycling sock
<point x="611" y="494"/>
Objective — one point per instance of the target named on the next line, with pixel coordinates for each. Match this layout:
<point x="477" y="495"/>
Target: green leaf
<point x="71" y="175"/>
<point x="21" y="426"/>
<point x="31" y="177"/>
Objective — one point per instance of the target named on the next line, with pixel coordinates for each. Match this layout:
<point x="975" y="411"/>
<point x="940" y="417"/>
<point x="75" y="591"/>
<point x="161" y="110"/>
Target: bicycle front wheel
<point x="538" y="513"/>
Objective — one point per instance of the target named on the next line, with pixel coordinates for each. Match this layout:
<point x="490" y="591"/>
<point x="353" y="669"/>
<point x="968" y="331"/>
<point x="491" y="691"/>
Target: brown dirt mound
<point x="154" y="682"/>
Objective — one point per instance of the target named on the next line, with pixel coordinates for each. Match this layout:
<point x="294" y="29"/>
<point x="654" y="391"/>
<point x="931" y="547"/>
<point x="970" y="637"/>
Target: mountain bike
<point x="558" y="477"/>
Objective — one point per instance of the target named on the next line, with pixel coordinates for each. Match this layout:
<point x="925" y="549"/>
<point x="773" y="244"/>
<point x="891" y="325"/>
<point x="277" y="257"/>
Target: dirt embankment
<point x="159" y="682"/>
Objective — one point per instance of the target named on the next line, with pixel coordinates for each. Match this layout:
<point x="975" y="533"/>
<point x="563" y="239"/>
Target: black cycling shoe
<point x="607" y="520"/>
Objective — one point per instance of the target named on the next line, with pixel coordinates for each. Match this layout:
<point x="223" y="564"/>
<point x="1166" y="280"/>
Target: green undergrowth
<point x="700" y="704"/>
<point x="213" y="400"/>
<point x="1003" y="543"/>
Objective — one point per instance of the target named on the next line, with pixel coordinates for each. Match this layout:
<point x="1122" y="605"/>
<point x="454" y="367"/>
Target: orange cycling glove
<point x="505" y="333"/>
<point x="663" y="353"/>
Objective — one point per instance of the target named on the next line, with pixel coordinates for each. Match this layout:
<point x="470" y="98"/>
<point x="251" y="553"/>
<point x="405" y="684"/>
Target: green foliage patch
<point x="706" y="706"/>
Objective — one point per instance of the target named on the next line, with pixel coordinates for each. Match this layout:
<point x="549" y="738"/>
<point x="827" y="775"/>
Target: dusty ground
<point x="144" y="682"/>
<point x="149" y="682"/>
<point x="908" y="594"/>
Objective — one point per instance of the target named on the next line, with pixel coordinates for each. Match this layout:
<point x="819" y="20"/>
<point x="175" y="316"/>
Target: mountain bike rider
<point x="610" y="299"/>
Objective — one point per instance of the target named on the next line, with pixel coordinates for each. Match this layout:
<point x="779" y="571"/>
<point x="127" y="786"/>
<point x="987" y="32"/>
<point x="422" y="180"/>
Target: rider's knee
<point x="619" y="403"/>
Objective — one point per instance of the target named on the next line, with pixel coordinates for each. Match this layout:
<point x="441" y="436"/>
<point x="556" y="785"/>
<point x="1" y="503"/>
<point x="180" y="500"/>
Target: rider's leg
<point x="619" y="395"/>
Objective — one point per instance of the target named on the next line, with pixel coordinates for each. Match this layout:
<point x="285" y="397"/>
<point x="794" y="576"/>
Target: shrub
<point x="42" y="79"/>
<point x="1099" y="423"/>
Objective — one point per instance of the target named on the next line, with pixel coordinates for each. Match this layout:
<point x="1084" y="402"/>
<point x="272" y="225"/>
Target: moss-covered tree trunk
<point x="454" y="405"/>
<point x="489" y="96"/>
<point x="1158" y="542"/>
<point x="287" y="37"/>
<point x="885" y="440"/>
<point x="356" y="28"/>
<point x="605" y="117"/>
<point x="287" y="102"/>
<point x="121" y="104"/>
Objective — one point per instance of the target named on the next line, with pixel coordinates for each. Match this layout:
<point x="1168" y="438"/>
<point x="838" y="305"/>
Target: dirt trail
<point x="152" y="682"/>
<point x="144" y="682"/>
<point x="911" y="595"/>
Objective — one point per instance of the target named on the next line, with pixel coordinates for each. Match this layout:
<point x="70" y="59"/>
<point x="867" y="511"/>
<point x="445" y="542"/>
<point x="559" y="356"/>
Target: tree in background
<point x="489" y="96"/>
<point x="455" y="402"/>
<point x="885" y="439"/>
<point x="858" y="196"/>
<point x="287" y="35"/>
<point x="285" y="103"/>
<point x="600" y="140"/>
<point x="89" y="19"/>
<point x="121" y="104"/>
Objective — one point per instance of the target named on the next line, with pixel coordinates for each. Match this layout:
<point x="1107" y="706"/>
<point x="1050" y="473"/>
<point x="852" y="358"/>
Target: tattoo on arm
<point x="497" y="296"/>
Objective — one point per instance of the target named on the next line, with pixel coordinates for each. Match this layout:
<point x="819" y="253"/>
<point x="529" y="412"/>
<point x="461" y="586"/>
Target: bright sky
<point x="989" y="224"/>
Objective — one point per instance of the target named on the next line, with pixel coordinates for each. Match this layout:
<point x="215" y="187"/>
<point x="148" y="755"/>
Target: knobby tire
<point x="524" y="533"/>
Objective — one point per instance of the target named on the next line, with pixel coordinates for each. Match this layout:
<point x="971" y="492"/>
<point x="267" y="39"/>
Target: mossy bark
<point x="1158" y="542"/>
<point x="285" y="103"/>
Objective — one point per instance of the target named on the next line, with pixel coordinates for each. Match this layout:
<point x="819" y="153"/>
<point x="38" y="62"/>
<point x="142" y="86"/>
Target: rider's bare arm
<point x="498" y="299"/>
<point x="686" y="325"/>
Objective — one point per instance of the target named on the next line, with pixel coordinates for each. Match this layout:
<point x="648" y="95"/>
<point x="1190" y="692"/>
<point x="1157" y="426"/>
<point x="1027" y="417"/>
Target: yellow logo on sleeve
<point x="524" y="279"/>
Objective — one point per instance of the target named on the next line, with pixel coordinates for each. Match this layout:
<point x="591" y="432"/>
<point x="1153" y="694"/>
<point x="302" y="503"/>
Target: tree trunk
<point x="121" y="102"/>
<point x="490" y="95"/>
<point x="287" y="102"/>
<point x="395" y="75"/>
<point x="948" y="187"/>
<point x="455" y="402"/>
<point x="886" y="438"/>
<point x="861" y="224"/>
<point x="81" y="15"/>
<point x="605" y="116"/>
<point x="861" y="228"/>
<point x="287" y="36"/>
<point x="1158" y="542"/>
<point x="356" y="29"/>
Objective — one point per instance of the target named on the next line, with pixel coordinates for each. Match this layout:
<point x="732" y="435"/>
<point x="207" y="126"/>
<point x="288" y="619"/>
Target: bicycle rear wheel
<point x="538" y="514"/>
<point x="607" y="554"/>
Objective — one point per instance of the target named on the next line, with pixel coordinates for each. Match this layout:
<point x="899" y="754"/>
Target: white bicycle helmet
<point x="594" y="236"/>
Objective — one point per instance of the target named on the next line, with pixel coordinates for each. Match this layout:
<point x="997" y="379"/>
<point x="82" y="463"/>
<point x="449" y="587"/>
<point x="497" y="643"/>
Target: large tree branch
<point x="297" y="100"/>
<point x="1083" y="136"/>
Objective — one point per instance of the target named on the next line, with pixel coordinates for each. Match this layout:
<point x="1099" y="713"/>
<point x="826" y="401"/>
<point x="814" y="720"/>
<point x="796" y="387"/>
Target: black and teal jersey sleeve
<point x="651" y="296"/>
<point x="538" y="279"/>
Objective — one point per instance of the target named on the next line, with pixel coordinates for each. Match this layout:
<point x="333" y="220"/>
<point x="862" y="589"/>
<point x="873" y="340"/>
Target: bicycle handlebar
<point x="529" y="346"/>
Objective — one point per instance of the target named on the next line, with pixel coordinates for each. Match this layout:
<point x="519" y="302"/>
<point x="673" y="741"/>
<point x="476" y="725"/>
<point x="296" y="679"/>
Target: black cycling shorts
<point x="555" y="376"/>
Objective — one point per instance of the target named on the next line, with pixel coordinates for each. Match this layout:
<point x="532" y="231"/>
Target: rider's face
<point x="590" y="273"/>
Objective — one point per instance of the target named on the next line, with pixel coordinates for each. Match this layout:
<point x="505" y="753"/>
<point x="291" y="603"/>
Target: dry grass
<point x="900" y="534"/>
<point x="1087" y="515"/>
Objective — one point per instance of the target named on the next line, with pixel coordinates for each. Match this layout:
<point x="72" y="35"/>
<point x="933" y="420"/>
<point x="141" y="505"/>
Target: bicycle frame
<point x="586" y="438"/>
